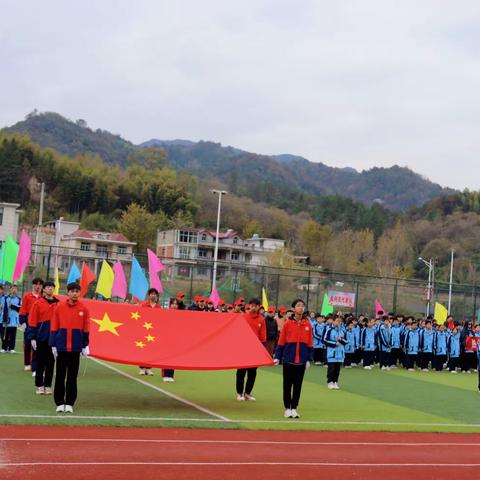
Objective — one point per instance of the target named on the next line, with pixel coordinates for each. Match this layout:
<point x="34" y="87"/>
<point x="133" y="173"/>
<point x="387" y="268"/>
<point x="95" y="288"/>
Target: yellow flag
<point x="56" y="290"/>
<point x="264" y="298"/>
<point x="105" y="280"/>
<point x="441" y="313"/>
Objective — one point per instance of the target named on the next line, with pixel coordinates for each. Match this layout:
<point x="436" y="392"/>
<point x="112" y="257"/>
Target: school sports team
<point x="57" y="332"/>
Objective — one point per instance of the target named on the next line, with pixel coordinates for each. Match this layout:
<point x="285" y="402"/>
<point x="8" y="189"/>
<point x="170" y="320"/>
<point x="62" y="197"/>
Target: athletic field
<point x="115" y="395"/>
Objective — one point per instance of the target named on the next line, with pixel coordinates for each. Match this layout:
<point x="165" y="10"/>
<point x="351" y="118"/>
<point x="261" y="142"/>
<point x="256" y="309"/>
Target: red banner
<point x="471" y="343"/>
<point x="175" y="339"/>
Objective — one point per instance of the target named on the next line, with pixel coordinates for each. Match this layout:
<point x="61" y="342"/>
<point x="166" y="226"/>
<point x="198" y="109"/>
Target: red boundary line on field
<point x="121" y="453"/>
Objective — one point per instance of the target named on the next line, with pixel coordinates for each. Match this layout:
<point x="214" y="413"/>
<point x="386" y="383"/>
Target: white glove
<point x="276" y="361"/>
<point x="22" y="327"/>
<point x="307" y="365"/>
<point x="54" y="351"/>
<point x="85" y="351"/>
<point x="34" y="344"/>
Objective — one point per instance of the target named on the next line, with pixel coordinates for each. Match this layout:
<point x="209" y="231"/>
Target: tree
<point x="139" y="226"/>
<point x="314" y="240"/>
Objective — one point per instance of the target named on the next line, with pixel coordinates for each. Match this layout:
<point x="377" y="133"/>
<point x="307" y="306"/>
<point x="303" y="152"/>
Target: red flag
<point x="157" y="337"/>
<point x="86" y="279"/>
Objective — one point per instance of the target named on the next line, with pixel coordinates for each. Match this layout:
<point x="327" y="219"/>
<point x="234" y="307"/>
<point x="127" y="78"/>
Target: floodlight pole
<point x="220" y="193"/>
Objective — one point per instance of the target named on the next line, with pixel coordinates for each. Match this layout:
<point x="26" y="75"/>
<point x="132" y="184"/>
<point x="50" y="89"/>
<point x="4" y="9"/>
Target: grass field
<point x="393" y="400"/>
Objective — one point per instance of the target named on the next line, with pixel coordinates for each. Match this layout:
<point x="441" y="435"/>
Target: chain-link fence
<point x="194" y="277"/>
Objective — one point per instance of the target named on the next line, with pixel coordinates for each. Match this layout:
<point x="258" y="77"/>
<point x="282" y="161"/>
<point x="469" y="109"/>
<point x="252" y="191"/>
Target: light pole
<point x="40" y="221"/>
<point x="450" y="284"/>
<point x="220" y="193"/>
<point x="429" y="264"/>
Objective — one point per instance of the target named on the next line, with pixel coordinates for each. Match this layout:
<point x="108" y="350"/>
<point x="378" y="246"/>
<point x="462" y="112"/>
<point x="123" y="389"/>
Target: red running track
<point x="143" y="454"/>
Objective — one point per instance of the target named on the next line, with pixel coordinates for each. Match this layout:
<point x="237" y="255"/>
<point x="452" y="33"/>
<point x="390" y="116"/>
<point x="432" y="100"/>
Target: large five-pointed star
<point x="106" y="325"/>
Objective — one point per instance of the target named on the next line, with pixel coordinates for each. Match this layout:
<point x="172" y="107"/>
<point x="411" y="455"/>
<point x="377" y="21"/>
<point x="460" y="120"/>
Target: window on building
<point x="122" y="250"/>
<point x="85" y="246"/>
<point x="1" y="215"/>
<point x="235" y="256"/>
<point x="184" y="252"/>
<point x="235" y="240"/>
<point x="202" y="253"/>
<point x="183" y="271"/>
<point x="248" y="257"/>
<point x="185" y="236"/>
<point x="164" y="235"/>
<point x="203" y="271"/>
<point x="204" y="237"/>
<point x="102" y="250"/>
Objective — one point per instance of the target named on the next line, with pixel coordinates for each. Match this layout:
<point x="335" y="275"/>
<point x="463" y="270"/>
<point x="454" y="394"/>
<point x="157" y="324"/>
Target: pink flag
<point x="378" y="309"/>
<point x="24" y="252"/>
<point x="155" y="266"/>
<point x="215" y="297"/>
<point x="119" y="287"/>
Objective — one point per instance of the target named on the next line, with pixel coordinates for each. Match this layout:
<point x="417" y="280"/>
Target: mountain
<point x="244" y="173"/>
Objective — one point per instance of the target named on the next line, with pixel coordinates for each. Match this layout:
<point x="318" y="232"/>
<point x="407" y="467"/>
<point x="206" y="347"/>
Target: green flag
<point x="1" y="265"/>
<point x="326" y="308"/>
<point x="9" y="257"/>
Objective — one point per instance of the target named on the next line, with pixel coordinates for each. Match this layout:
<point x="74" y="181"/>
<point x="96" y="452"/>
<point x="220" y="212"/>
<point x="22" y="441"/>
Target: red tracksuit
<point x="29" y="355"/>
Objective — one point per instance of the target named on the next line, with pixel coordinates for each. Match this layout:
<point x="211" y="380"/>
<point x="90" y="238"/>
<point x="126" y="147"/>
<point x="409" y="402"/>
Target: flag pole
<point x="450" y="285"/>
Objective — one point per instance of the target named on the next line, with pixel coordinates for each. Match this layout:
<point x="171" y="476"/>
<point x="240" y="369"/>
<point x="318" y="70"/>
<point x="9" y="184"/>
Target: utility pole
<point x="220" y="193"/>
<point x="40" y="220"/>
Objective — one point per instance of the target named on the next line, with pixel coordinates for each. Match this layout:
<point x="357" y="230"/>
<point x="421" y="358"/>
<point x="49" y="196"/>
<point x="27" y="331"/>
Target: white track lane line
<point x="243" y="442"/>
<point x="243" y="464"/>
<point x="161" y="390"/>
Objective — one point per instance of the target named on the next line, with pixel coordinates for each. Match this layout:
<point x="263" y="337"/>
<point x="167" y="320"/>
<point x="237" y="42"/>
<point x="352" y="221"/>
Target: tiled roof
<point x="94" y="235"/>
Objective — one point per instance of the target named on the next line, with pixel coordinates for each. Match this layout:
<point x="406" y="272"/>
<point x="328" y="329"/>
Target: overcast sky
<point x="348" y="83"/>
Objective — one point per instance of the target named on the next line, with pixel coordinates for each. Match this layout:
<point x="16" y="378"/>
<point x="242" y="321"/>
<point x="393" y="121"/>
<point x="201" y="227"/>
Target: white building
<point x="9" y="219"/>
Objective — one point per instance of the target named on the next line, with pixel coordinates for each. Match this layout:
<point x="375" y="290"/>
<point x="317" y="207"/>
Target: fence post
<point x="49" y="259"/>
<point x="357" y="290"/>
<point x="278" y="289"/>
<point x="308" y="288"/>
<point x="395" y="289"/>
<point x="474" y="292"/>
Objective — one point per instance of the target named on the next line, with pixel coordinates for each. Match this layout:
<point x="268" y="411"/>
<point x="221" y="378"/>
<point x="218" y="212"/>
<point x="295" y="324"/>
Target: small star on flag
<point x="147" y="326"/>
<point x="139" y="344"/>
<point x="135" y="315"/>
<point x="150" y="338"/>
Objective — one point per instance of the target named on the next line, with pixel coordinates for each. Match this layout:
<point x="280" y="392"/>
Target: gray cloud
<point x="354" y="83"/>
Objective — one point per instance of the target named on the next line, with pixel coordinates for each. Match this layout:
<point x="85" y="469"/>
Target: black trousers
<point x="319" y="355"/>
<point x="65" y="392"/>
<point x="396" y="356"/>
<point x="333" y="372"/>
<point x="349" y="359"/>
<point x="292" y="384"/>
<point x="425" y="359"/>
<point x="29" y="354"/>
<point x="9" y="335"/>
<point x="251" y="374"/>
<point x="438" y="362"/>
<point x="45" y="365"/>
<point x="384" y="358"/>
<point x="468" y="360"/>
<point x="452" y="363"/>
<point x="368" y="358"/>
<point x="410" y="360"/>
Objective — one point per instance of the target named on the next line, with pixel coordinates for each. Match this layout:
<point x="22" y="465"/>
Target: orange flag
<point x="86" y="279"/>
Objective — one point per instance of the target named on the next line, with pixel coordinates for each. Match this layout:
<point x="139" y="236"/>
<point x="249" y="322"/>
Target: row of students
<point x="10" y="304"/>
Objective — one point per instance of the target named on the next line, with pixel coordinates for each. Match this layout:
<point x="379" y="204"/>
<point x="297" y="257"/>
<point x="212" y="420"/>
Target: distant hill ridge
<point x="396" y="188"/>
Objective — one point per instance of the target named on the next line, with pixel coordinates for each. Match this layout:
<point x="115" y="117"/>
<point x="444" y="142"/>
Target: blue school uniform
<point x="13" y="304"/>
<point x="351" y="345"/>
<point x="411" y="344"/>
<point x="335" y="353"/>
<point x="385" y="339"/>
<point x="453" y="345"/>
<point x="368" y="339"/>
<point x="440" y="343"/>
<point x="426" y="341"/>
<point x="317" y="330"/>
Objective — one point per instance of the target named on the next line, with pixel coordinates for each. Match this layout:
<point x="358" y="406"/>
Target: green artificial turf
<point x="394" y="400"/>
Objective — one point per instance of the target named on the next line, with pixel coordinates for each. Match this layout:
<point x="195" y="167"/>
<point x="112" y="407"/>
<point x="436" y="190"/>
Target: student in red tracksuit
<point x="29" y="355"/>
<point x="152" y="302"/>
<point x="295" y="351"/>
<point x="258" y="325"/>
<point x="68" y="338"/>
<point x="39" y="335"/>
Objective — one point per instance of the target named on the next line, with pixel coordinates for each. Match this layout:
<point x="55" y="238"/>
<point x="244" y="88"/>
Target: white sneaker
<point x="170" y="379"/>
<point x="148" y="371"/>
<point x="384" y="368"/>
<point x="316" y="363"/>
<point x="33" y="374"/>
<point x="411" y="369"/>
<point x="424" y="369"/>
<point x="68" y="409"/>
<point x="250" y="397"/>
<point x="142" y="371"/>
<point x="48" y="391"/>
<point x="240" y="397"/>
<point x="368" y="367"/>
<point x="39" y="391"/>
<point x="2" y="351"/>
<point x="165" y="379"/>
<point x="13" y="351"/>
<point x="335" y="386"/>
<point x="393" y="366"/>
<point x="294" y="413"/>
<point x="348" y="366"/>
<point x="330" y="386"/>
<point x="27" y="368"/>
<point x="60" y="409"/>
<point x="453" y="371"/>
<point x="287" y="413"/>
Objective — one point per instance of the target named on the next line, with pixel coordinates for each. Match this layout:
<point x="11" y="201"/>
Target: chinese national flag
<point x="174" y="339"/>
<point x="86" y="279"/>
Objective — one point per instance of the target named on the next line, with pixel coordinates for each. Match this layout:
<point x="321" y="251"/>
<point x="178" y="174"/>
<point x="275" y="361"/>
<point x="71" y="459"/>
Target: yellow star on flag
<point x="149" y="338"/>
<point x="139" y="344"/>
<point x="147" y="326"/>
<point x="135" y="315"/>
<point x="106" y="325"/>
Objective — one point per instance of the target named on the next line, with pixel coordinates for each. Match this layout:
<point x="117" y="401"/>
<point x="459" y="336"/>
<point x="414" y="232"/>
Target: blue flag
<point x="74" y="273"/>
<point x="138" y="281"/>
